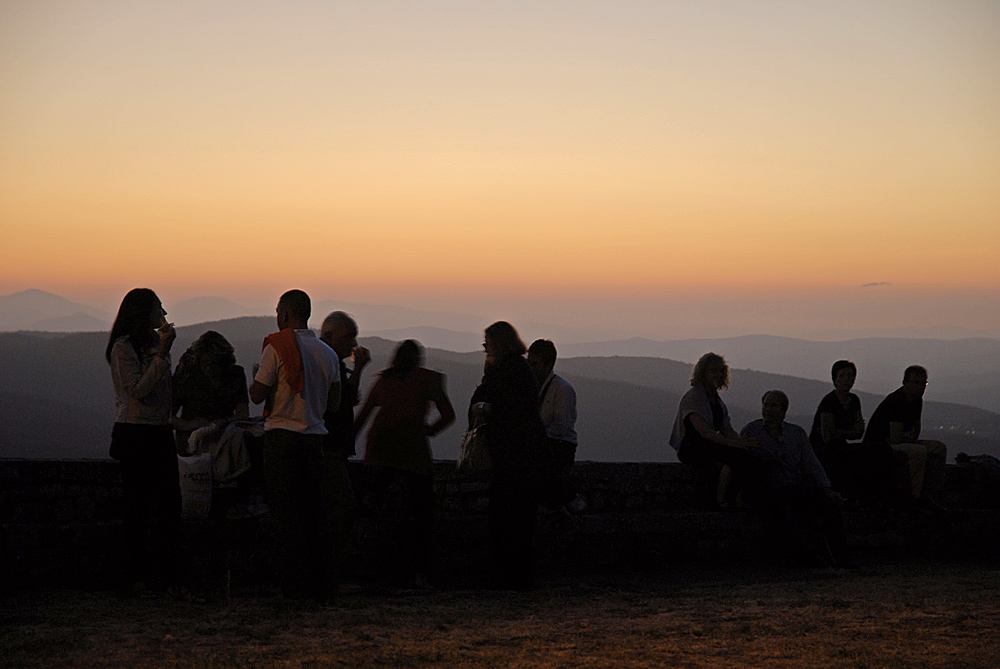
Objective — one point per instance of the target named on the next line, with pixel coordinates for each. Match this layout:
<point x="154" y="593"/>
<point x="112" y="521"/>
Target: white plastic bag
<point x="196" y="485"/>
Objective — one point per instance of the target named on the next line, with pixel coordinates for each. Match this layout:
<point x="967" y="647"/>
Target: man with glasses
<point x="896" y="422"/>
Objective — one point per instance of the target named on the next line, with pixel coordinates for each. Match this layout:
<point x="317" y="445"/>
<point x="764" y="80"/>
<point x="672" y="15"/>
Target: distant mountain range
<point x="57" y="399"/>
<point x="39" y="310"/>
<point x="964" y="371"/>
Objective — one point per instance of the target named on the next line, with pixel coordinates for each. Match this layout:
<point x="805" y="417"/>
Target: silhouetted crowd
<point x="798" y="477"/>
<point x="521" y="420"/>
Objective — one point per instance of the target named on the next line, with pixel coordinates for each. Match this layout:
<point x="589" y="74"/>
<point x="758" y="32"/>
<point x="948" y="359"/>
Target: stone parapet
<point x="60" y="523"/>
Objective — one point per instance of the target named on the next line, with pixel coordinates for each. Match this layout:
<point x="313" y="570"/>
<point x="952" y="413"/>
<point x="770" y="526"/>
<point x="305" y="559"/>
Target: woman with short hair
<point x="858" y="470"/>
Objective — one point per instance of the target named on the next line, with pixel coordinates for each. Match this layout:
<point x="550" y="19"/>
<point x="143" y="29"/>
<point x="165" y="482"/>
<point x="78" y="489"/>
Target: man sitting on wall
<point x="896" y="422"/>
<point x="557" y="407"/>
<point x="795" y="482"/>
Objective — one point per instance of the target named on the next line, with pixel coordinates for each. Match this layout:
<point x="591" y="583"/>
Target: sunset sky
<point x="466" y="154"/>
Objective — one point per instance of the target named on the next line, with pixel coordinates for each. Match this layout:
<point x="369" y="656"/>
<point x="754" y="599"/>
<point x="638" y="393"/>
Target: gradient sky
<point x="623" y="151"/>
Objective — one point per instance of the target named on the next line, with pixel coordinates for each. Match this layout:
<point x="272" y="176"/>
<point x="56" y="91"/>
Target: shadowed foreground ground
<point x="916" y="615"/>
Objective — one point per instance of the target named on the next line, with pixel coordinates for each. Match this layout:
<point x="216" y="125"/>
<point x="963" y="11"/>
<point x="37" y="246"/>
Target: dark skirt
<point x="152" y="501"/>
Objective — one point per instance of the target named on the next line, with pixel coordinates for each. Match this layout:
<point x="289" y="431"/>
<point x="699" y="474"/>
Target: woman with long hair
<point x="703" y="435"/>
<point x="507" y="400"/>
<point x="399" y="449"/>
<point x="210" y="391"/>
<point x="138" y="353"/>
<point x="208" y="386"/>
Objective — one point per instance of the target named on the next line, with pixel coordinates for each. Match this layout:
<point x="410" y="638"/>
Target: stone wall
<point x="60" y="521"/>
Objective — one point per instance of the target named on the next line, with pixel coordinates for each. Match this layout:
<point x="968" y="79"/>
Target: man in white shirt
<point x="297" y="378"/>
<point x="557" y="407"/>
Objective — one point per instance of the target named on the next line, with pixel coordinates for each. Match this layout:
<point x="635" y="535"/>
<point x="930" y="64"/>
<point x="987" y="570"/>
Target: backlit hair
<point x="545" y="350"/>
<point x="217" y="348"/>
<point x="701" y="369"/>
<point x="407" y="357"/>
<point x="338" y="319"/>
<point x="843" y="364"/>
<point x="133" y="320"/>
<point x="506" y="339"/>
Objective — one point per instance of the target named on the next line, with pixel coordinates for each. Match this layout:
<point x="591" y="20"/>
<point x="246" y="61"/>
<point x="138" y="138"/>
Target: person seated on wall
<point x="855" y="468"/>
<point x="703" y="435"/>
<point x="796" y="486"/>
<point x="210" y="393"/>
<point x="557" y="407"/>
<point x="896" y="422"/>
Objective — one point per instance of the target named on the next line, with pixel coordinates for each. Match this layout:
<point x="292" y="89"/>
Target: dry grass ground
<point x="918" y="615"/>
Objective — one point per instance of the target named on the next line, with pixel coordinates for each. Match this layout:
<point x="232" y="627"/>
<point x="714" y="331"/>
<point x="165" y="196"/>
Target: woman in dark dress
<point x="399" y="450"/>
<point x="507" y="399"/>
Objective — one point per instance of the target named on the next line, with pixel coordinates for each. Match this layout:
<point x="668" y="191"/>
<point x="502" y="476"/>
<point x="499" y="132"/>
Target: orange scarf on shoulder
<point x="286" y="345"/>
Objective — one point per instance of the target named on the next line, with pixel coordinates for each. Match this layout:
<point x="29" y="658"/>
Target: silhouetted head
<point x="773" y="407"/>
<point x="340" y="332"/>
<point x="294" y="309"/>
<point x="138" y="317"/>
<point x="914" y="382"/>
<point x="711" y="371"/>
<point x="211" y="354"/>
<point x="844" y="373"/>
<point x="502" y="340"/>
<point x="406" y="358"/>
<point x="214" y="350"/>
<point x="541" y="359"/>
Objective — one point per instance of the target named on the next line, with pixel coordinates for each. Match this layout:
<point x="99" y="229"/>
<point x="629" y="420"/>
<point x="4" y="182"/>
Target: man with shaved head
<point x="298" y="377"/>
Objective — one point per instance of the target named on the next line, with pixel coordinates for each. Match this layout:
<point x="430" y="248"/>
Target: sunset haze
<point x="780" y="151"/>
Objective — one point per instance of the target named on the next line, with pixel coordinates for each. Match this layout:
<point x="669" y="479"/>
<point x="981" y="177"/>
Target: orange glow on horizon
<point x="656" y="151"/>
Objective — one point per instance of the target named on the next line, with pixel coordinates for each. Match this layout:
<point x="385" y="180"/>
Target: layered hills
<point x="57" y="400"/>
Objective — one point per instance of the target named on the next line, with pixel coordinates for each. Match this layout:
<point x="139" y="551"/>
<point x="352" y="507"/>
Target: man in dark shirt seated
<point x="796" y="483"/>
<point x="896" y="422"/>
